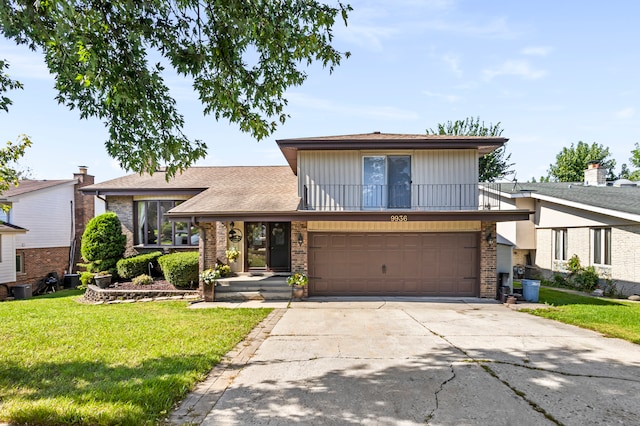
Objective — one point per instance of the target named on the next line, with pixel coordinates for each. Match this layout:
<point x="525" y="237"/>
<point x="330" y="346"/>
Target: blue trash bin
<point x="531" y="290"/>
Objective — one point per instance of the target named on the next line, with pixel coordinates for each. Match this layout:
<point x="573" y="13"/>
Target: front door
<point x="268" y="246"/>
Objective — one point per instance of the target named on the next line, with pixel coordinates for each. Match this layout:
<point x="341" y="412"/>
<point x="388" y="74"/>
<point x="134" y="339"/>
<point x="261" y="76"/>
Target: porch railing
<point x="436" y="197"/>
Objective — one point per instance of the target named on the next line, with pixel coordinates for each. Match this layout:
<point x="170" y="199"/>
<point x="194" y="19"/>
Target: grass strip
<point x="613" y="318"/>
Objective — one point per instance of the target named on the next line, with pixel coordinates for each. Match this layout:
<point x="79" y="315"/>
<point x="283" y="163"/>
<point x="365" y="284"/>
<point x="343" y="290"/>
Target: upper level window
<point x="386" y="181"/>
<point x="602" y="246"/>
<point x="154" y="229"/>
<point x="560" y="244"/>
<point x="5" y="215"/>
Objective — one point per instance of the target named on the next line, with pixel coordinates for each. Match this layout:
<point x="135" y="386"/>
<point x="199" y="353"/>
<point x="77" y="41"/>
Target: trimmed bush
<point x="86" y="278"/>
<point x="137" y="265"/>
<point x="180" y="269"/>
<point x="143" y="279"/>
<point x="103" y="243"/>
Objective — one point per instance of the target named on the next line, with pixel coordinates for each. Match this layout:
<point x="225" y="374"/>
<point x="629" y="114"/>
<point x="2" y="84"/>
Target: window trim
<point x="384" y="199"/>
<point x="159" y="217"/>
<point x="601" y="237"/>
<point x="564" y="240"/>
<point x="20" y="264"/>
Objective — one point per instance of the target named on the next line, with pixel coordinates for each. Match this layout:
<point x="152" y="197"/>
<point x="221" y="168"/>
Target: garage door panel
<point x="418" y="264"/>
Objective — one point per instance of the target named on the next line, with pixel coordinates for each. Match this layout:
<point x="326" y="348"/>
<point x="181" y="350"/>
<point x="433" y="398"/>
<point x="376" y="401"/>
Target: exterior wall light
<point x="490" y="239"/>
<point x="300" y="239"/>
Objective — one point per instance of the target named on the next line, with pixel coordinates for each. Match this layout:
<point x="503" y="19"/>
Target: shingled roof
<point x="216" y="190"/>
<point x="618" y="201"/>
<point x="28" y="185"/>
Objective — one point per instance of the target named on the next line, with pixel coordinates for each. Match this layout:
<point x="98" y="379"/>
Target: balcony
<point x="414" y="197"/>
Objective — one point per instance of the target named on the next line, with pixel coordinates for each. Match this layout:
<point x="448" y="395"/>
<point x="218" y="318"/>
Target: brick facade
<point x="123" y="207"/>
<point x="38" y="262"/>
<point x="299" y="257"/>
<point x="488" y="261"/>
<point x="84" y="208"/>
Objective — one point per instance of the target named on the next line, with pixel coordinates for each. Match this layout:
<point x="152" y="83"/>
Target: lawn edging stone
<point x="94" y="294"/>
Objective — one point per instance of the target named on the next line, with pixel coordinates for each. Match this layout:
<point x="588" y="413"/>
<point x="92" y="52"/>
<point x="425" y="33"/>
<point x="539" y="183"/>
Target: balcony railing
<point x="421" y="197"/>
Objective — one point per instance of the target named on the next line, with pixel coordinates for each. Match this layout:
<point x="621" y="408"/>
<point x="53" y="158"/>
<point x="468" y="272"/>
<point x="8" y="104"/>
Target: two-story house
<point x="365" y="214"/>
<point x="52" y="215"/>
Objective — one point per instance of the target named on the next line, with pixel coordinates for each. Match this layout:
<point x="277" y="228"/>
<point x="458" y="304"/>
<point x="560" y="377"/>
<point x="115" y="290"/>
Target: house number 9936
<point x="399" y="218"/>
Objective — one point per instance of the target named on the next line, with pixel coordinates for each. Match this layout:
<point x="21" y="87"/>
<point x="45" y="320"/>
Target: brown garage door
<point x="407" y="264"/>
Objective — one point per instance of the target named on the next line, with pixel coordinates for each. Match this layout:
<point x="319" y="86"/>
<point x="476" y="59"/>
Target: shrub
<point x="143" y="279"/>
<point x="137" y="265"/>
<point x="103" y="243"/>
<point x="180" y="269"/>
<point x="86" y="278"/>
<point x="587" y="279"/>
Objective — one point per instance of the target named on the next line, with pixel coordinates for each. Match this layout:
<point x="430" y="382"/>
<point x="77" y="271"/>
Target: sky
<point x="552" y="73"/>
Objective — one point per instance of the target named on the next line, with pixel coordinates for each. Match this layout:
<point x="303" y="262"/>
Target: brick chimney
<point x="84" y="209"/>
<point x="595" y="175"/>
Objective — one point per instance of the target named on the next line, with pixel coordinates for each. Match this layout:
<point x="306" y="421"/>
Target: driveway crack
<point x="442" y="385"/>
<point x="486" y="368"/>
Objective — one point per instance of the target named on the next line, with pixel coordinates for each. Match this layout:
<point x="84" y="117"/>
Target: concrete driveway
<point x="431" y="362"/>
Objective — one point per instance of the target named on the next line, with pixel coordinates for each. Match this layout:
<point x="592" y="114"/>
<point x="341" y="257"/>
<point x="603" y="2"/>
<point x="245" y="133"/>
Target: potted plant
<point x="297" y="281"/>
<point x="209" y="278"/>
<point x="103" y="279"/>
<point x="232" y="254"/>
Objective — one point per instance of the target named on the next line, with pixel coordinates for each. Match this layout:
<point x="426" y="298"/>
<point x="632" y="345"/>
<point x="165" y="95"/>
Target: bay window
<point x="154" y="229"/>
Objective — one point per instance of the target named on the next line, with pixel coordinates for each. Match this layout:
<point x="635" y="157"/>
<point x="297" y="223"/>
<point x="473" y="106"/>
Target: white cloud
<point x="24" y="63"/>
<point x="453" y="61"/>
<point x="625" y="113"/>
<point x="516" y="68"/>
<point x="446" y="97"/>
<point x="496" y="28"/>
<point x="537" y="50"/>
<point x="372" y="112"/>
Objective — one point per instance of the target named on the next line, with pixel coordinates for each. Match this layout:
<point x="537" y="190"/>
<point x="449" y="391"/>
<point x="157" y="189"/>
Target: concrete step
<point x="252" y="295"/>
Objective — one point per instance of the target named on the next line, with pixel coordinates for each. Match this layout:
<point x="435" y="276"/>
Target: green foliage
<point x="492" y="166"/>
<point x="573" y="264"/>
<point x="86" y="278"/>
<point x="635" y="161"/>
<point x="103" y="243"/>
<point x="143" y="279"/>
<point x="241" y="57"/>
<point x="298" y="279"/>
<point x="69" y="363"/>
<point x="587" y="279"/>
<point x="137" y="265"/>
<point x="611" y="318"/>
<point x="180" y="269"/>
<point x="571" y="162"/>
<point x="12" y="152"/>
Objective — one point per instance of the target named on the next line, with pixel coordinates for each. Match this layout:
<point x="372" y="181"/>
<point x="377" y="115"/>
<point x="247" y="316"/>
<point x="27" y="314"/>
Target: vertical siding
<point x="47" y="214"/>
<point x="342" y="171"/>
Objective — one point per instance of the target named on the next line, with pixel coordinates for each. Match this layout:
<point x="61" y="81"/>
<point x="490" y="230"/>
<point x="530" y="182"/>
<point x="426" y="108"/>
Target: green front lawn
<point x="62" y="362"/>
<point x="612" y="318"/>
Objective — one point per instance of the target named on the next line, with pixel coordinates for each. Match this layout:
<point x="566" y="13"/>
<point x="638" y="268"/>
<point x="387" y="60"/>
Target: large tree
<point x="109" y="57"/>
<point x="571" y="162"/>
<point x="12" y="151"/>
<point x="492" y="166"/>
<point x="635" y="161"/>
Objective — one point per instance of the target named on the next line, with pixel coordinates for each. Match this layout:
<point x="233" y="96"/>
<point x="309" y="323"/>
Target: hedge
<point x="137" y="265"/>
<point x="103" y="243"/>
<point x="180" y="269"/>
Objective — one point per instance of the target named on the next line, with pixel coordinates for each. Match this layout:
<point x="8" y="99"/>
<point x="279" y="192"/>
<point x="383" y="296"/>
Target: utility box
<point x="21" y="291"/>
<point x="71" y="280"/>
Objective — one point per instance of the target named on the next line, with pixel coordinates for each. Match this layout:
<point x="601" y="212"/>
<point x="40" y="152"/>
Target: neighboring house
<point x="598" y="222"/>
<point x="8" y="264"/>
<point x="55" y="214"/>
<point x="367" y="214"/>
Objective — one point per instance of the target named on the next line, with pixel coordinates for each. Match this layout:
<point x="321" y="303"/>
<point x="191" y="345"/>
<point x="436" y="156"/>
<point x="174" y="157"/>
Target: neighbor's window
<point x="153" y="229"/>
<point x="602" y="246"/>
<point x="19" y="263"/>
<point x="560" y="244"/>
